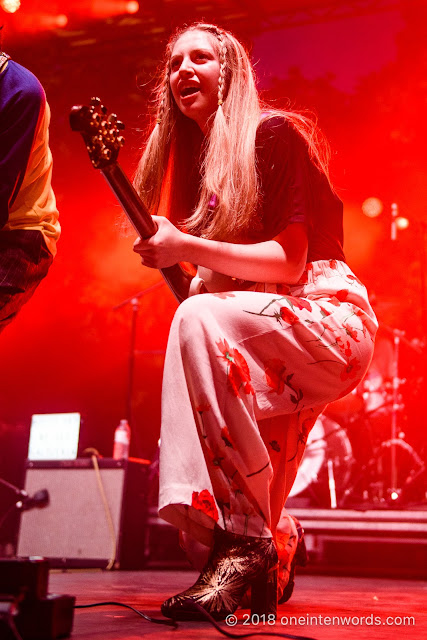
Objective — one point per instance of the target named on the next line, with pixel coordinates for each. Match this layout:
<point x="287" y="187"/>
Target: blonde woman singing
<point x="277" y="326"/>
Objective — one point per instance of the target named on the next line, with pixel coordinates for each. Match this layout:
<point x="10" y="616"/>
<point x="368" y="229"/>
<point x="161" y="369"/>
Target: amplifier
<point x="75" y="528"/>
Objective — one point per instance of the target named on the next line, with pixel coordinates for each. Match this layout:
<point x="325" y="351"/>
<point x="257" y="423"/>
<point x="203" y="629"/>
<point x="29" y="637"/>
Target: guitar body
<point x="103" y="139"/>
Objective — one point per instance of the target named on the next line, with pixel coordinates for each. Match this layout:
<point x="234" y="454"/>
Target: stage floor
<point x="395" y="608"/>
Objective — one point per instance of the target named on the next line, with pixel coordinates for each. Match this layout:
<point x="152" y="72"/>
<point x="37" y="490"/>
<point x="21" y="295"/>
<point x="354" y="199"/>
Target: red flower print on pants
<point x="288" y="316"/>
<point x="350" y="370"/>
<point x="300" y="303"/>
<point x="276" y="378"/>
<point x="304" y="276"/>
<point x="238" y="375"/>
<point x="225" y="435"/>
<point x="344" y="346"/>
<point x="203" y="406"/>
<point x="324" y="311"/>
<point x="342" y="295"/>
<point x="364" y="320"/>
<point x="351" y="332"/>
<point x="224" y="294"/>
<point x="354" y="278"/>
<point x="205" y="502"/>
<point x="275" y="372"/>
<point x="339" y="296"/>
<point x="214" y="458"/>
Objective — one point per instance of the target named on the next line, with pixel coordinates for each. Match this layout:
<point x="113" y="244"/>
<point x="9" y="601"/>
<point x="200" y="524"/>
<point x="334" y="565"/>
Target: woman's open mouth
<point x="187" y="92"/>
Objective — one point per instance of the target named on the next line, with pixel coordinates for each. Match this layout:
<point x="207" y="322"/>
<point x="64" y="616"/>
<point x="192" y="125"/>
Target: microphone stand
<point x="399" y="338"/>
<point x="422" y="235"/>
<point x="39" y="500"/>
<point x="397" y="335"/>
<point x="23" y="495"/>
<point x="134" y="302"/>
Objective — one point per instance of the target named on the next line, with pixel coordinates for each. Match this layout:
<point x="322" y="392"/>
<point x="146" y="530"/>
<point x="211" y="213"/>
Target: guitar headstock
<point x="101" y="132"/>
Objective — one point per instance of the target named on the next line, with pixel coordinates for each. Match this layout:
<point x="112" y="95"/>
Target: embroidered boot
<point x="235" y="563"/>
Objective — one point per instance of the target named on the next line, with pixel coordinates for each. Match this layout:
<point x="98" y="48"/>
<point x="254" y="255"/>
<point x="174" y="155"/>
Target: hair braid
<point x="163" y="96"/>
<point x="222" y="65"/>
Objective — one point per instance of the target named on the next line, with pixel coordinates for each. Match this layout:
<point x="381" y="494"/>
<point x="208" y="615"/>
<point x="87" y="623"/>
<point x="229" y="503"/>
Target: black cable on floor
<point x="169" y="623"/>
<point x="204" y="614"/>
<point x="228" y="634"/>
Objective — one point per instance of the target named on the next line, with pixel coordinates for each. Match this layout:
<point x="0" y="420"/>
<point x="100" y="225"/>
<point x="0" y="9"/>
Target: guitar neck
<point x="177" y="280"/>
<point x="132" y="204"/>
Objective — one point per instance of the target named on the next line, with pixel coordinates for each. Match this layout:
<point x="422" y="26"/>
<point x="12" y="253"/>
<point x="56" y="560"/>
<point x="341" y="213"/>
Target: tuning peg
<point x="121" y="141"/>
<point x="95" y="101"/>
<point x="120" y="124"/>
<point x="112" y="117"/>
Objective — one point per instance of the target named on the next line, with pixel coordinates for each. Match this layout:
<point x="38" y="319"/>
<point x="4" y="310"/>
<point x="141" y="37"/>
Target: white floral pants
<point x="246" y="375"/>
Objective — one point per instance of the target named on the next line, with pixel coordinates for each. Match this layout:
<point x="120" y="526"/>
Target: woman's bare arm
<point x="280" y="260"/>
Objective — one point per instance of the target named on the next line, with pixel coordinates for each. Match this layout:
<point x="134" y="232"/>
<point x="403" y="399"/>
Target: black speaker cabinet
<point x="74" y="529"/>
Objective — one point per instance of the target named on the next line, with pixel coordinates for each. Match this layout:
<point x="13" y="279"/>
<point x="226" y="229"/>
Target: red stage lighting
<point x="33" y="22"/>
<point x="52" y="22"/>
<point x="372" y="207"/>
<point x="106" y="8"/>
<point x="10" y="6"/>
<point x="132" y="7"/>
<point x="402" y="223"/>
<point x="61" y="20"/>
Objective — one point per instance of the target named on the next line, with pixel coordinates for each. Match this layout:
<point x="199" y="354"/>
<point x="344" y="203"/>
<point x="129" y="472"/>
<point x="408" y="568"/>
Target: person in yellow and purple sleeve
<point x="29" y="227"/>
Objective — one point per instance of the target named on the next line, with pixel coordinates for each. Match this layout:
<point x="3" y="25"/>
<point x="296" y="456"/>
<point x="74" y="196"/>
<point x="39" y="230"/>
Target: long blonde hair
<point x="228" y="196"/>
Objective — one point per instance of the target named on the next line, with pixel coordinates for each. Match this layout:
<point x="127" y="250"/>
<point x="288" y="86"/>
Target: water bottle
<point x="121" y="441"/>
